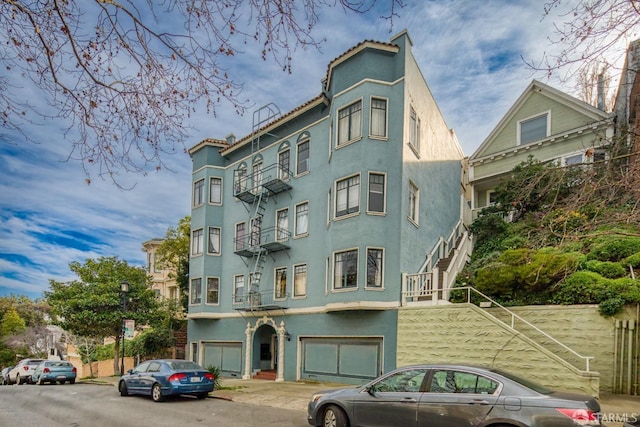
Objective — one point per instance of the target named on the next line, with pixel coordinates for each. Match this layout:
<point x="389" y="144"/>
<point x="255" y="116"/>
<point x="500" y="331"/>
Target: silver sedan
<point x="451" y="396"/>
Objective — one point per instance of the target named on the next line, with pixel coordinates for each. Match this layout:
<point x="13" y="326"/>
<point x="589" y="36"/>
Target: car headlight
<point x="316" y="396"/>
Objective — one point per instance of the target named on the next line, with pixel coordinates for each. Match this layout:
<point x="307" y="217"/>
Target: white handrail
<point x="515" y="316"/>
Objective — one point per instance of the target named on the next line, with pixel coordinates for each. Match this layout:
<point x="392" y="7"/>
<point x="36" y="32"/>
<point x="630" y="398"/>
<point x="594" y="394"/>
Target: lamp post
<point x="124" y="288"/>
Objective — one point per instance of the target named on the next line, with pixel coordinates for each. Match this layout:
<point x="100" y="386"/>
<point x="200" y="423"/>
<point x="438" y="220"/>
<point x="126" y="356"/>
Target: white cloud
<point x="469" y="52"/>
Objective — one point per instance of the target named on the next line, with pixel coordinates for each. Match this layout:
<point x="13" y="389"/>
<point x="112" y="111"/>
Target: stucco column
<point x="247" y="353"/>
<point x="281" y="332"/>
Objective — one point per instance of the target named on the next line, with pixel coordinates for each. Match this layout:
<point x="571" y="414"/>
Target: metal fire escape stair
<point x="259" y="252"/>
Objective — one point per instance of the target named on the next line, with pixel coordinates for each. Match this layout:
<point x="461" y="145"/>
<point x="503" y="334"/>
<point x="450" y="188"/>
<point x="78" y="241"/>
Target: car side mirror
<point x="372" y="390"/>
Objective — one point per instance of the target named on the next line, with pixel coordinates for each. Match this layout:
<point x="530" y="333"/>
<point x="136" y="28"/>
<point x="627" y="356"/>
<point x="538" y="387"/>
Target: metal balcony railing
<point x="274" y="178"/>
<point x="272" y="239"/>
<point x="261" y="300"/>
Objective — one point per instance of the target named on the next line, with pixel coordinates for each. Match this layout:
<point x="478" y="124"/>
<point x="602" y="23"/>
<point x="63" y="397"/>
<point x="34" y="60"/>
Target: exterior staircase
<point x="438" y="273"/>
<point x="268" y="374"/>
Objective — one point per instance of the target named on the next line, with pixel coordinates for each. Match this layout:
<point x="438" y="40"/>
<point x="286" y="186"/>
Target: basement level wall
<point x="464" y="333"/>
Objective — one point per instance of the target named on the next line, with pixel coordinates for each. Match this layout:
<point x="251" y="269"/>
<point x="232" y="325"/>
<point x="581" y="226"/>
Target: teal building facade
<point x="303" y="230"/>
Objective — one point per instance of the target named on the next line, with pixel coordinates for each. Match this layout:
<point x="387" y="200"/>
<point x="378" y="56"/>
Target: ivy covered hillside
<point x="561" y="235"/>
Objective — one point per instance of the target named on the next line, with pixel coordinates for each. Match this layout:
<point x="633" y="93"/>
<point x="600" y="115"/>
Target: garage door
<point x="227" y="356"/>
<point x="326" y="358"/>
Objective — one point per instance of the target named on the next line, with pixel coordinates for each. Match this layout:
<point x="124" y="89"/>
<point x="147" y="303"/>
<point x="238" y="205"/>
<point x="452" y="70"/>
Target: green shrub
<point x="632" y="261"/>
<point x="582" y="287"/>
<point x="514" y="242"/>
<point x="607" y="269"/>
<point x="614" y="248"/>
<point x="546" y="267"/>
<point x="496" y="278"/>
<point x="626" y="288"/>
<point x="217" y="383"/>
<point x="611" y="306"/>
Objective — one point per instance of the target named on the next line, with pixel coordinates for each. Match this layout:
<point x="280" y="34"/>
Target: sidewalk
<point x="296" y="395"/>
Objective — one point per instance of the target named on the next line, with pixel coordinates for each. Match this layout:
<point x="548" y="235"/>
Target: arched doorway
<point x="264" y="348"/>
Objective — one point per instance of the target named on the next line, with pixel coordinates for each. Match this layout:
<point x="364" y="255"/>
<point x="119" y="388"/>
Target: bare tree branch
<point x="124" y="77"/>
<point x="590" y="29"/>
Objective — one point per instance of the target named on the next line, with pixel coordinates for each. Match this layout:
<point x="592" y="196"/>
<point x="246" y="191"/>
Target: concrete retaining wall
<point x="463" y="333"/>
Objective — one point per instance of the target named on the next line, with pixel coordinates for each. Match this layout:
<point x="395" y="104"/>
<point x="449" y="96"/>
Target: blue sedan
<point x="167" y="377"/>
<point x="52" y="371"/>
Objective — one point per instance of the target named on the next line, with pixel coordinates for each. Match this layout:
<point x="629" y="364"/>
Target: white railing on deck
<point x="426" y="285"/>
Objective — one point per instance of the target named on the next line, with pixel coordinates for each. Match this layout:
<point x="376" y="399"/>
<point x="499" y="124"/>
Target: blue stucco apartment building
<point x="302" y="230"/>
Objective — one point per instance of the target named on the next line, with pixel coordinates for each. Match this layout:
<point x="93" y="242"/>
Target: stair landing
<point x="269" y="375"/>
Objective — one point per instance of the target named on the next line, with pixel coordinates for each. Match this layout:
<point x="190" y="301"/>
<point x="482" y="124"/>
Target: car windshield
<point x="182" y="365"/>
<point x="58" y="364"/>
<point x="527" y="383"/>
<point x="34" y="362"/>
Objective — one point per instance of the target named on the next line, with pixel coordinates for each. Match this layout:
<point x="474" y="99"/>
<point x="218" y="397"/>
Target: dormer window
<point x="533" y="129"/>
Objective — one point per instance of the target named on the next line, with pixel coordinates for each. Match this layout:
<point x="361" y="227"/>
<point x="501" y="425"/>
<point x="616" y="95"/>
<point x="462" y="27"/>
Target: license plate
<point x="195" y="379"/>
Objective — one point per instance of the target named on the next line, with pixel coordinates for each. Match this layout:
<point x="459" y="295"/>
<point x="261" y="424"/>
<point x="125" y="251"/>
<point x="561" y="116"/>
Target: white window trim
<point x="488" y="201"/>
<point x="386" y="119"/>
<point x="416" y="212"/>
<point x="333" y="269"/>
<point x="219" y="242"/>
<point x="191" y="290"/>
<point x="233" y="293"/>
<point x="548" y="133"/>
<point x="221" y="191"/>
<point x="275" y="284"/>
<point x="374" y="288"/>
<point x="204" y="193"/>
<point x="293" y="281"/>
<point x="289" y="171"/>
<point x="295" y="220"/>
<point x="235" y="235"/>
<point x="206" y="291"/>
<point x="384" y="207"/>
<point x="193" y="253"/>
<point x="352" y="140"/>
<point x="335" y="201"/>
<point x="415" y="146"/>
<point x="277" y="225"/>
<point x="302" y="141"/>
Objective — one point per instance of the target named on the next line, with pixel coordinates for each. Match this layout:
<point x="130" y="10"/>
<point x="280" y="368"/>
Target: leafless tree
<point x="594" y="86"/>
<point x="125" y="76"/>
<point x="589" y="30"/>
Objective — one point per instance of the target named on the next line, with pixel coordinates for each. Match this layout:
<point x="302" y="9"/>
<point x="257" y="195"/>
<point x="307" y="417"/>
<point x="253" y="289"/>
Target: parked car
<point x="451" y="395"/>
<point x="21" y="373"/>
<point x="166" y="377"/>
<point x="52" y="371"/>
<point x="4" y="375"/>
<point x="632" y="421"/>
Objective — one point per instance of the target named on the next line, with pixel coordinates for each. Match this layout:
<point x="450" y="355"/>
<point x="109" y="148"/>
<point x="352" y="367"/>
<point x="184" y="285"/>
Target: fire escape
<point x="257" y="243"/>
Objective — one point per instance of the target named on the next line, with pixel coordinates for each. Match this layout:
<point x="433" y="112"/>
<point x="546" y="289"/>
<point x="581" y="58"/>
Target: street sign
<point x="129" y="326"/>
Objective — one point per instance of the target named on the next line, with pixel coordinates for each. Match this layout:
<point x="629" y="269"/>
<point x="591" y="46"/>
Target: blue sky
<point x="49" y="217"/>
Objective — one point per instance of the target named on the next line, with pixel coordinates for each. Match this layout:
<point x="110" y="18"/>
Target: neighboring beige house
<point x="165" y="286"/>
<point x="164" y="282"/>
<point x="544" y="123"/>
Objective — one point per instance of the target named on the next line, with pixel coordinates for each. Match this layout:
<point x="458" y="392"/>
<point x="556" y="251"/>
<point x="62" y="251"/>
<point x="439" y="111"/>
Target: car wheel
<point x="202" y="395"/>
<point x="122" y="388"/>
<point x="72" y="381"/>
<point x="156" y="393"/>
<point x="334" y="417"/>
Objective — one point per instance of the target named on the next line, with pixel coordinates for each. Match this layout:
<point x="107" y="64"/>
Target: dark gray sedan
<point x="451" y="396"/>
